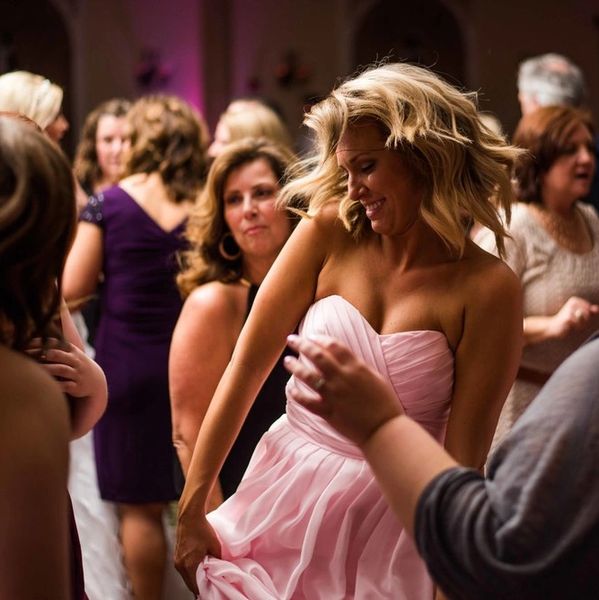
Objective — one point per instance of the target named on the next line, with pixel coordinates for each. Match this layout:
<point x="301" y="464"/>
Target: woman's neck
<point x="421" y="245"/>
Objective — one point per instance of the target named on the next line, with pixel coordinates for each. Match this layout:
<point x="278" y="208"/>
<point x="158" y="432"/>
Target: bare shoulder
<point x="327" y="226"/>
<point x="34" y="408"/>
<point x="216" y="300"/>
<point x="214" y="307"/>
<point x="484" y="276"/>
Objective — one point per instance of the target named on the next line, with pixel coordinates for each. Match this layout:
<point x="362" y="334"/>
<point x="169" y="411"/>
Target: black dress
<point x="268" y="407"/>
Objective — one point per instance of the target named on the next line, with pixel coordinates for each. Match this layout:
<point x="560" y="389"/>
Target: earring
<point x="228" y="239"/>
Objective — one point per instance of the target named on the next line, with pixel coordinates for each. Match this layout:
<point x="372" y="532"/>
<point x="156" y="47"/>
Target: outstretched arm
<point x="286" y="293"/>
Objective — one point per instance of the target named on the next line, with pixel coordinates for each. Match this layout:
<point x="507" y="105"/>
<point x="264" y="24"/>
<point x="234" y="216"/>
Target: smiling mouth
<point x="372" y="207"/>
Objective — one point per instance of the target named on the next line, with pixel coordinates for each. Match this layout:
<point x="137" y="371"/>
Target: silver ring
<point x="317" y="385"/>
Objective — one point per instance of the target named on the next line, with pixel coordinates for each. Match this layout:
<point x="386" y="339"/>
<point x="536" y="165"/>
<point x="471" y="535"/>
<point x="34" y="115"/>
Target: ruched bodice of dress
<point x="308" y="521"/>
<point x="418" y="364"/>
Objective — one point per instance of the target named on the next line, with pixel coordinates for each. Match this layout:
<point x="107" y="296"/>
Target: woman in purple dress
<point x="131" y="233"/>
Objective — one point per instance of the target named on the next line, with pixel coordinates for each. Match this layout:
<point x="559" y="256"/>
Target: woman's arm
<point x="572" y="316"/>
<point x="283" y="298"/>
<point x="84" y="263"/>
<point x="486" y="361"/>
<point x="82" y="378"/>
<point x="201" y="347"/>
<point x="34" y="435"/>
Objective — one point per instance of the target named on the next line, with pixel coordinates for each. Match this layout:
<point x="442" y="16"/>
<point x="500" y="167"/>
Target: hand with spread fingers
<point x="352" y="397"/>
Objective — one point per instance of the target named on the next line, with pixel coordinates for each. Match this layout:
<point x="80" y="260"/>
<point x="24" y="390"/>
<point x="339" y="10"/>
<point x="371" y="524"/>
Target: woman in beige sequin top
<point x="554" y="247"/>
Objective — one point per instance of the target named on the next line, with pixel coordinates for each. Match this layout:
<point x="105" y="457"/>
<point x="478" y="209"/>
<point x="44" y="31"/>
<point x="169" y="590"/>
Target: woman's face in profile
<point x="249" y="197"/>
<point x="379" y="178"/>
<point x="111" y="140"/>
<point x="570" y="176"/>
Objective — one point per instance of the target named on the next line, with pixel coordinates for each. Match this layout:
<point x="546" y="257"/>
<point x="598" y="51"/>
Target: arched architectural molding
<point x="422" y="31"/>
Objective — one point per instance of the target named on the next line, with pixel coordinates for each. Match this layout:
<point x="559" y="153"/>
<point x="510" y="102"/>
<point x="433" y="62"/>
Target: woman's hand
<point x="573" y="315"/>
<point x="78" y="376"/>
<point x="195" y="539"/>
<point x="69" y="365"/>
<point x="351" y="397"/>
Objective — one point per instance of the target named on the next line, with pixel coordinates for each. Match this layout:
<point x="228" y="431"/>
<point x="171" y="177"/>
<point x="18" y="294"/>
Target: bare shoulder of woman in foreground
<point x="34" y="436"/>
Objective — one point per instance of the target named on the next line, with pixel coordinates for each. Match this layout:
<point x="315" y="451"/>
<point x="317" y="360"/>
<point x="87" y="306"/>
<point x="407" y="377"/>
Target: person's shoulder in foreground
<point x="531" y="529"/>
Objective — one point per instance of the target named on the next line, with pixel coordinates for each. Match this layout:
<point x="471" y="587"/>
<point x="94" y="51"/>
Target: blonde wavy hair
<point x="252" y="118"/>
<point x="170" y="138"/>
<point x="206" y="226"/>
<point x="31" y="95"/>
<point x="464" y="166"/>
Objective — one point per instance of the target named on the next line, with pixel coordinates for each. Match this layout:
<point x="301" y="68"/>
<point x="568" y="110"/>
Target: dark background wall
<point x="290" y="51"/>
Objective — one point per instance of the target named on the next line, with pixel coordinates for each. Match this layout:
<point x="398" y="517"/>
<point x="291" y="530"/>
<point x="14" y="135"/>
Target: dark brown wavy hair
<point x="170" y="138"/>
<point x="37" y="222"/>
<point x="544" y="134"/>
<point x="206" y="226"/>
<point x="86" y="167"/>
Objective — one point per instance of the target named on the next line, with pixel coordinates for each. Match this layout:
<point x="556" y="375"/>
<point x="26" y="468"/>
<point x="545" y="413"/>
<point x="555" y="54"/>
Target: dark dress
<point x="139" y="307"/>
<point x="268" y="407"/>
<point x="530" y="530"/>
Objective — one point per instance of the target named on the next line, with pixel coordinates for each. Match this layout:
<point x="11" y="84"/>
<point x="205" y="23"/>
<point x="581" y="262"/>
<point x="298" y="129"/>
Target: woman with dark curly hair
<point x="99" y="158"/>
<point x="553" y="248"/>
<point x="131" y="233"/>
<point x="235" y="233"/>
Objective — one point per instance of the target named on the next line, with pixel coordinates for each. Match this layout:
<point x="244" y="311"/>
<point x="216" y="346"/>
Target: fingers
<point x="325" y="353"/>
<point x="308" y="375"/>
<point x="314" y="405"/>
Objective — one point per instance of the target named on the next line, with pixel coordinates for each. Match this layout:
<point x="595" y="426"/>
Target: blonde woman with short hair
<point x="383" y="263"/>
<point x="37" y="98"/>
<point x="248" y="117"/>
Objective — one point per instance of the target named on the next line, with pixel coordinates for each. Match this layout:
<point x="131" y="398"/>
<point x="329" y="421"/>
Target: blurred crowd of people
<point x="438" y="275"/>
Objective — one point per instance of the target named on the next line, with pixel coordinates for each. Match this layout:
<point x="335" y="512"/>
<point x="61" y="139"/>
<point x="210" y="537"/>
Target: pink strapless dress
<point x="308" y="520"/>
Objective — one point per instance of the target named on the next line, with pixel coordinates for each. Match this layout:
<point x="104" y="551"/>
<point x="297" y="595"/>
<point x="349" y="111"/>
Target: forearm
<point x="86" y="411"/>
<point x="537" y="329"/>
<point x="220" y="427"/>
<point x="404" y="459"/>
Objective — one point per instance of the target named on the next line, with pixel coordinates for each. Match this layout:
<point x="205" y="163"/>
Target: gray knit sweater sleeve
<point x="531" y="529"/>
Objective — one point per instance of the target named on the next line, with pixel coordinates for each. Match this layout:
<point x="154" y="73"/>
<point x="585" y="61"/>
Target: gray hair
<point x="552" y="79"/>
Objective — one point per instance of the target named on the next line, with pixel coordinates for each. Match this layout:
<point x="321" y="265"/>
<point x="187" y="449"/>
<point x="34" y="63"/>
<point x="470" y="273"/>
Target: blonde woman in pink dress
<point x="384" y="264"/>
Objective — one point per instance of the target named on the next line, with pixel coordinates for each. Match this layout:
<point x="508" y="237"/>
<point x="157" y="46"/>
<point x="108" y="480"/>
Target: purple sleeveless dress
<point x="139" y="305"/>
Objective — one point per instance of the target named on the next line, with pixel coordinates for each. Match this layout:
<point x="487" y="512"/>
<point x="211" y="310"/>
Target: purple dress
<point x="139" y="306"/>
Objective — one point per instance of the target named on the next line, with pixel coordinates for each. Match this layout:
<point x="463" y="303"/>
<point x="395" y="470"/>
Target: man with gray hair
<point x="548" y="80"/>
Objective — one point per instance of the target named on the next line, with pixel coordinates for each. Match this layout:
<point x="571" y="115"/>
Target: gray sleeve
<point x="526" y="531"/>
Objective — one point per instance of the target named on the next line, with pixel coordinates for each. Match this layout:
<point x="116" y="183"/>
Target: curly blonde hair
<point x="168" y="137"/>
<point x="464" y="165"/>
<point x="86" y="167"/>
<point x="206" y="226"/>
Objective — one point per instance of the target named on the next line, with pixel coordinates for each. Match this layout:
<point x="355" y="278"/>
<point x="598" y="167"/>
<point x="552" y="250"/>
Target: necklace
<point x="570" y="231"/>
